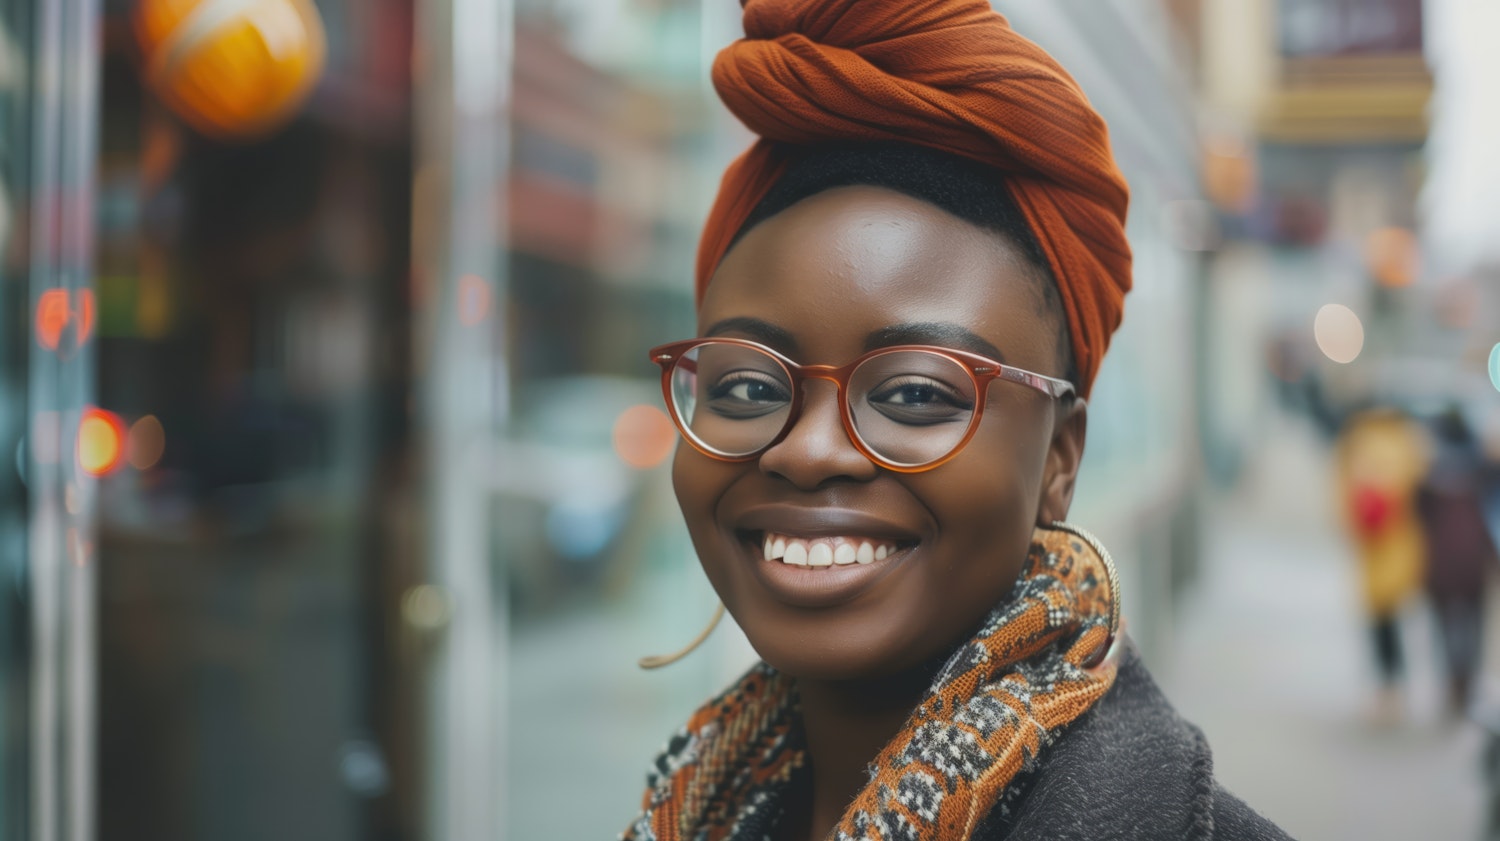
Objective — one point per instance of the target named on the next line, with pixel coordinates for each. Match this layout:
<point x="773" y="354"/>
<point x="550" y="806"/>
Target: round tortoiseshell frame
<point x="981" y="369"/>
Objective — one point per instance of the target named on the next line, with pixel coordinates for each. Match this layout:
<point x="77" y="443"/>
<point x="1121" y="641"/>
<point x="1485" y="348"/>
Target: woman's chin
<point x="834" y="653"/>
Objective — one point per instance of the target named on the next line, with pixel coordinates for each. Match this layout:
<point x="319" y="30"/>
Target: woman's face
<point x="824" y="282"/>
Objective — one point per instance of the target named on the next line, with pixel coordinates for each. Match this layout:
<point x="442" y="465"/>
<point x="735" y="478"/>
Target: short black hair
<point x="970" y="190"/>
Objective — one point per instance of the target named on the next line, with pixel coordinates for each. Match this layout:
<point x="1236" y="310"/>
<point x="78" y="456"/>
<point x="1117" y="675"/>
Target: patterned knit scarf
<point x="1002" y="698"/>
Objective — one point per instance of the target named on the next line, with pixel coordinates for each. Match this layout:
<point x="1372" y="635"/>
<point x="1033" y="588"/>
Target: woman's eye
<point x="920" y="400"/>
<point x="750" y="391"/>
<point x="746" y="394"/>
<point x="912" y="394"/>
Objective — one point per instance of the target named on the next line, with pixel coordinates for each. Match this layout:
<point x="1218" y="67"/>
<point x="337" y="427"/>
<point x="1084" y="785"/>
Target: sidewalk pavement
<point x="1269" y="656"/>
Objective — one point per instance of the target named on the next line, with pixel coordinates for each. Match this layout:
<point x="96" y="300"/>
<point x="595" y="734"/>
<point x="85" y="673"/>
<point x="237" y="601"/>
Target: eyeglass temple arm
<point x="1047" y="385"/>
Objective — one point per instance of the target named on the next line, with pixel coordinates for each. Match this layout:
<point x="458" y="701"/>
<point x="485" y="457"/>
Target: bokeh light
<point x="147" y="443"/>
<point x="56" y="309"/>
<point x="233" y="70"/>
<point x="1339" y="333"/>
<point x="52" y="316"/>
<point x="426" y="607"/>
<point x="1229" y="172"/>
<point x="1392" y="256"/>
<point x="1495" y="366"/>
<point x="84" y="309"/>
<point x="101" y="441"/>
<point x="644" y="436"/>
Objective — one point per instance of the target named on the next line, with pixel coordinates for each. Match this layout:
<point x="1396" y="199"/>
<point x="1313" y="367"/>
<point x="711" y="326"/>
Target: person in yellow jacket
<point x="1381" y="458"/>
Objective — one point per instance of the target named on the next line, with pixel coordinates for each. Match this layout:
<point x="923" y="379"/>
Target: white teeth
<point x="823" y="551"/>
<point x="796" y="555"/>
<point x="820" y="555"/>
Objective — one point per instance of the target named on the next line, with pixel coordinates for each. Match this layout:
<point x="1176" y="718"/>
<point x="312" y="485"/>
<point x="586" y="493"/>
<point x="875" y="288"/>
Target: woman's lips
<point x="821" y="556"/>
<point x="822" y="570"/>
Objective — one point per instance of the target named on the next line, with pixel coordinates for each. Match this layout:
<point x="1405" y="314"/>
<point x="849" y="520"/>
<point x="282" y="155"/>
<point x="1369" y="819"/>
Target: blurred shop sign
<point x="1351" y="71"/>
<point x="1347" y="27"/>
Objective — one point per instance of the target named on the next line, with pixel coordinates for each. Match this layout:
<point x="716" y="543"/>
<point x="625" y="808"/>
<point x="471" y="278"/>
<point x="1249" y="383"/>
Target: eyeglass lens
<point x="909" y="407"/>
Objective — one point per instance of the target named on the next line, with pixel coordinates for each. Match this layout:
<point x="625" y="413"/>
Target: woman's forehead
<point x="844" y="263"/>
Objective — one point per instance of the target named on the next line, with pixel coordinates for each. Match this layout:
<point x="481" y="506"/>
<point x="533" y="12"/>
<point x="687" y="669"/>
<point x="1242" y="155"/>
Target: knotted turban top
<point x="947" y="74"/>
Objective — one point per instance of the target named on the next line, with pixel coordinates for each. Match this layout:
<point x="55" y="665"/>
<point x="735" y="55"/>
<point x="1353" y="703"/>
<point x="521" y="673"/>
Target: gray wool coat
<point x="1130" y="768"/>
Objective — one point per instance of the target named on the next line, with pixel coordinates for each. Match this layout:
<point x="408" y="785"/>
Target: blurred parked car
<point x="562" y="498"/>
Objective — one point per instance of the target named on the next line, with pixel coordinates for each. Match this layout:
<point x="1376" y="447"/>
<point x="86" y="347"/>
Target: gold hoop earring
<point x="1109" y="568"/>
<point x="658" y="660"/>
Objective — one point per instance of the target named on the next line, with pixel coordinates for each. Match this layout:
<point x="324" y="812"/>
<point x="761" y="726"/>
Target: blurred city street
<point x="1270" y="659"/>
<point x="337" y="494"/>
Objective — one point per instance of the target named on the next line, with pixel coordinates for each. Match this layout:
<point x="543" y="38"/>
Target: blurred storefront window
<point x="255" y="338"/>
<point x="15" y="333"/>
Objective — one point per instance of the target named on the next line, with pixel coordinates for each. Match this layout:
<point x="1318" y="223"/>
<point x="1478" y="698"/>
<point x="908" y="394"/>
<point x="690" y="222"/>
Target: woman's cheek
<point x="990" y="509"/>
<point x="699" y="482"/>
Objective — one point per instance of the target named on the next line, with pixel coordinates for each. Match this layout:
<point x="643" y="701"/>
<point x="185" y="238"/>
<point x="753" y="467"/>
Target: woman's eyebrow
<point x="761" y="331"/>
<point x="939" y="333"/>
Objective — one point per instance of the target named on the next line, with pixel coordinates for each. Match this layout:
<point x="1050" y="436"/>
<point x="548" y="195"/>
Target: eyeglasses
<point x="907" y="408"/>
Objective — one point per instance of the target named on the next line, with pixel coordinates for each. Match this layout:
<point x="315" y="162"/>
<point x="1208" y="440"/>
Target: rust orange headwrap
<point x="951" y="75"/>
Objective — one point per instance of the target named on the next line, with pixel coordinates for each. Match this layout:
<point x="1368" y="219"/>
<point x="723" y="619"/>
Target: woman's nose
<point x="817" y="448"/>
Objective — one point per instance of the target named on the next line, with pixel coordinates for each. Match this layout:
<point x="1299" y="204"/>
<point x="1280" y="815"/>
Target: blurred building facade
<point x="1316" y="129"/>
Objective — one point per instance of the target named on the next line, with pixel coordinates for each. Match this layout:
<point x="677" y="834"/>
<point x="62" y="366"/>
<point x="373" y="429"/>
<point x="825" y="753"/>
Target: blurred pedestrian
<point x="1459" y="547"/>
<point x="1381" y="459"/>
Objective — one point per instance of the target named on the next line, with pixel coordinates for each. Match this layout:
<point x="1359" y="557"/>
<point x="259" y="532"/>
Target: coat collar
<point x="1129" y="768"/>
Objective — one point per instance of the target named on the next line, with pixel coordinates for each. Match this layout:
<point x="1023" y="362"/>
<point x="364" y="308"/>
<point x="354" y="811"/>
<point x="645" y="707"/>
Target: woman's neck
<point x="846" y="724"/>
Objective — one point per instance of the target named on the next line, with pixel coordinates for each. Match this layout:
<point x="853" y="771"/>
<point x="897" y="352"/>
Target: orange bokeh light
<point x="1393" y="257"/>
<point x="52" y="316"/>
<point x="644" y="436"/>
<point x="83" y="312"/>
<point x="56" y="309"/>
<point x="148" y="441"/>
<point x="101" y="441"/>
<point x="236" y="70"/>
<point x="1229" y="173"/>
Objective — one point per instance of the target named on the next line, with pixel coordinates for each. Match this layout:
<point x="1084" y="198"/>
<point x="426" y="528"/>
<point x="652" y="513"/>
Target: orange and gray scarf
<point x="1002" y="698"/>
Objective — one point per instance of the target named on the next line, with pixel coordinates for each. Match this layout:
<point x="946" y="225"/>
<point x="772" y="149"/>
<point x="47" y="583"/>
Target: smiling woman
<point x="905" y="290"/>
<point x="833" y="273"/>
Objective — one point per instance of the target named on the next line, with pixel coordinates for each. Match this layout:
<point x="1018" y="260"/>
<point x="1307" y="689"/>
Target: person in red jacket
<point x="1380" y="458"/>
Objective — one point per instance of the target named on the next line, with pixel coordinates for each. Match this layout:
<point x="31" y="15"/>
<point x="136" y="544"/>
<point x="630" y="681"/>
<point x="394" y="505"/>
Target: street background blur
<point x="334" y="498"/>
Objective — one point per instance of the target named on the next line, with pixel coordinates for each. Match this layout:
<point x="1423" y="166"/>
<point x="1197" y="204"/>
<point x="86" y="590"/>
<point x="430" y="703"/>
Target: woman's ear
<point x="1063" y="457"/>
